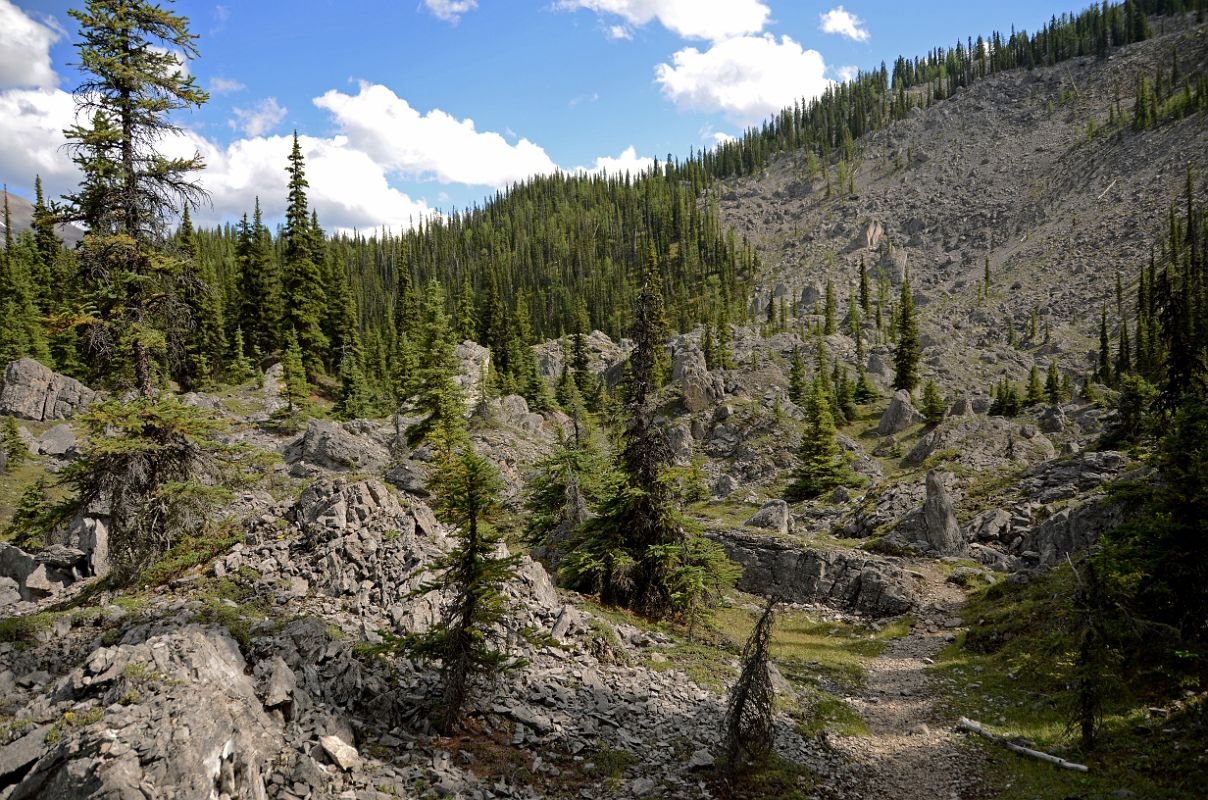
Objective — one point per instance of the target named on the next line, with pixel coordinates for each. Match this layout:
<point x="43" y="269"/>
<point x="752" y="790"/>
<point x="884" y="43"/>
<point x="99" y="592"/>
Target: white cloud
<point x="31" y="127"/>
<point x="844" y="23"/>
<point x="347" y="189"/>
<point x="693" y="19"/>
<point x="225" y="86"/>
<point x="628" y="161"/>
<point x="433" y="145"/>
<point x="720" y="137"/>
<point x="25" y="49"/>
<point x="746" y="78"/>
<point x="260" y="118"/>
<point x="846" y="74"/>
<point x="450" y="10"/>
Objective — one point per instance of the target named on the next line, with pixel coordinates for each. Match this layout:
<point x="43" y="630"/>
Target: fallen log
<point x="971" y="726"/>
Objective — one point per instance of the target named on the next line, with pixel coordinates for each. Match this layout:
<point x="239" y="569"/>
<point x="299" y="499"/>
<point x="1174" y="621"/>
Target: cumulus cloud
<point x="347" y="189"/>
<point x="842" y="22"/>
<point x="693" y="19"/>
<point x="450" y="10"/>
<point x="432" y="145"/>
<point x="31" y="127"/>
<point x="628" y="161"/>
<point x="746" y="77"/>
<point x="259" y="118"/>
<point x="225" y="86"/>
<point x="25" y="49"/>
<point x="847" y="73"/>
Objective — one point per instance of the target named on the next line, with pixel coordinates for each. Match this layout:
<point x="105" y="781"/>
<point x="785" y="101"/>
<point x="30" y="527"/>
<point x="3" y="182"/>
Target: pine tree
<point x="262" y="299"/>
<point x="436" y="396"/>
<point x="908" y="352"/>
<point x="649" y="358"/>
<point x="205" y="345"/>
<point x="1034" y="394"/>
<point x="822" y="465"/>
<point x="46" y="239"/>
<point x="1052" y="385"/>
<point x="470" y="639"/>
<point x="12" y="445"/>
<point x="934" y="406"/>
<point x="708" y="347"/>
<point x="354" y="401"/>
<point x="831" y="324"/>
<point x="797" y="382"/>
<point x="305" y="297"/>
<point x="239" y="367"/>
<point x="1105" y="365"/>
<point x="1124" y="363"/>
<point x="467" y="314"/>
<point x="133" y="83"/>
<point x="295" y="390"/>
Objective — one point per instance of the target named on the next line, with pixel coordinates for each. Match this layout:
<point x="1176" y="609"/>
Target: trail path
<point x="911" y="749"/>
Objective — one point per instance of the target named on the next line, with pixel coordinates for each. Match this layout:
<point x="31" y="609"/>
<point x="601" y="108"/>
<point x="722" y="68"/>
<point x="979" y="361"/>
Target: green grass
<point x="1011" y="671"/>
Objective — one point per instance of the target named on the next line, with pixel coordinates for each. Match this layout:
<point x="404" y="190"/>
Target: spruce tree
<point x="262" y="299"/>
<point x="471" y="638"/>
<point x="1052" y="385"/>
<point x="133" y="84"/>
<point x="831" y="325"/>
<point x="12" y="445"/>
<point x="295" y="390"/>
<point x="1105" y="364"/>
<point x="1034" y="395"/>
<point x="908" y="351"/>
<point x="865" y="295"/>
<point x="822" y="466"/>
<point x="797" y="382"/>
<point x="436" y="397"/>
<point x="305" y="297"/>
<point x="934" y="406"/>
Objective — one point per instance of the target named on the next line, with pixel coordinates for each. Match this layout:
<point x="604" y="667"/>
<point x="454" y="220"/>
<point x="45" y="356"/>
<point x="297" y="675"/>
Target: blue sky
<point x="424" y="105"/>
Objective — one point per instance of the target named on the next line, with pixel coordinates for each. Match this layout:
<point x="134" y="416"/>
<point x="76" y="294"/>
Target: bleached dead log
<point x="966" y="724"/>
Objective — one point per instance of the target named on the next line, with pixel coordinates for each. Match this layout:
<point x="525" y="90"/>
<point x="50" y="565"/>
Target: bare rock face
<point x="983" y="443"/>
<point x="40" y="575"/>
<point x="773" y="516"/>
<point x="202" y="733"/>
<point x="330" y="445"/>
<point x="943" y="532"/>
<point x="700" y="388"/>
<point x="851" y="580"/>
<point x="900" y="415"/>
<point x="32" y="391"/>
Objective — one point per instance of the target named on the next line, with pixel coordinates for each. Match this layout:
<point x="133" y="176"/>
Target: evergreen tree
<point x="831" y="324"/>
<point x="467" y="314"/>
<point x="436" y="396"/>
<point x="934" y="406"/>
<point x="1052" y="385"/>
<point x="1034" y="395"/>
<point x="205" y="344"/>
<point x="470" y="639"/>
<point x="261" y="298"/>
<point x="12" y="445"/>
<point x="46" y="239"/>
<point x="822" y="466"/>
<point x="908" y="351"/>
<point x="797" y="382"/>
<point x="239" y="367"/>
<point x="133" y="84"/>
<point x="354" y="401"/>
<point x="295" y="390"/>
<point x="1105" y="365"/>
<point x="649" y="357"/>
<point x="305" y="297"/>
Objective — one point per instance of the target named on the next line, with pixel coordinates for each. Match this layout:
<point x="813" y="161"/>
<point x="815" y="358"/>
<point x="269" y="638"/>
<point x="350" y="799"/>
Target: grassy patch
<point x="24" y="630"/>
<point x="1011" y="671"/>
<point x="778" y="777"/>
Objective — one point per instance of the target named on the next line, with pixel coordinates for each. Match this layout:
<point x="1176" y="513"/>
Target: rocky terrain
<point x="248" y="666"/>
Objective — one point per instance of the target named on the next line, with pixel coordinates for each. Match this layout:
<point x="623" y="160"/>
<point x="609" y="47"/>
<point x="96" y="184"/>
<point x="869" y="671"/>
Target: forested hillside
<point x="864" y="456"/>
